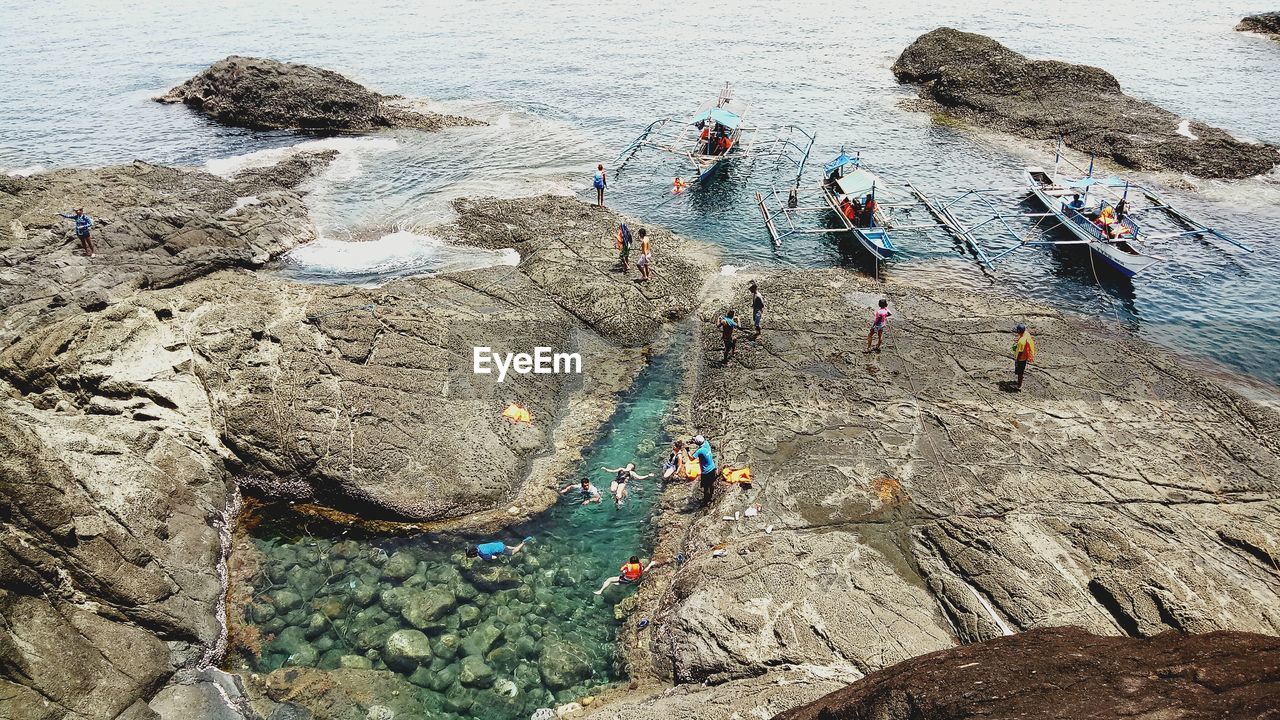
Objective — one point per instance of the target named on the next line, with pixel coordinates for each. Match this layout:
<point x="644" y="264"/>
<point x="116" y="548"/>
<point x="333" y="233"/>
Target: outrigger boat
<point x="716" y="134"/>
<point x="1099" y="213"/>
<point x="857" y="200"/>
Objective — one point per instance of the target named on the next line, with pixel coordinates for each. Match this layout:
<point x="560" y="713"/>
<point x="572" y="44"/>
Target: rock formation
<point x="910" y="502"/>
<point x="978" y="79"/>
<point x="1068" y="673"/>
<point x="270" y="95"/>
<point x="1264" y="23"/>
<point x="142" y="386"/>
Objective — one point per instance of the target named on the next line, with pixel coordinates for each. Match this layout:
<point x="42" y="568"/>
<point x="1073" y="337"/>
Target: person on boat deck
<point x="1121" y="207"/>
<point x="619" y="485"/>
<point x="492" y="549"/>
<point x="630" y="573"/>
<point x="849" y="210"/>
<point x="704" y="138"/>
<point x="1106" y="220"/>
<point x="1076" y="203"/>
<point x="589" y="492"/>
<point x="867" y="218"/>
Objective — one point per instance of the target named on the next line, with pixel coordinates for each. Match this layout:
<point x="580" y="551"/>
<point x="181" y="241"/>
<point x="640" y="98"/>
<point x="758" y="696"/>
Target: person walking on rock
<point x="1024" y="351"/>
<point x="491" y="550"/>
<point x="727" y="325"/>
<point x="757" y="306"/>
<point x="879" y="318"/>
<point x="629" y="574"/>
<point x="624" y="247"/>
<point x="707" y="468"/>
<point x="84" y="230"/>
<point x="600" y="182"/>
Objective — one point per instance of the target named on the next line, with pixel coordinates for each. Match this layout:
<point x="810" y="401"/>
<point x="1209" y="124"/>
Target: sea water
<point x="323" y="598"/>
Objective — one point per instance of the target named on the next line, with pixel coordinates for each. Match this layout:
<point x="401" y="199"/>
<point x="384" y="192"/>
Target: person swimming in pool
<point x="589" y="492"/>
<point x="629" y="574"/>
<point x="619" y="485"/>
<point x="495" y="548"/>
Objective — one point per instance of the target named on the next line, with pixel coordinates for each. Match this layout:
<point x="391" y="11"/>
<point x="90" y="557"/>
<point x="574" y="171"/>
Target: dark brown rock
<point x="1264" y="23"/>
<point x="270" y="95"/>
<point x="1069" y="674"/>
<point x="978" y="79"/>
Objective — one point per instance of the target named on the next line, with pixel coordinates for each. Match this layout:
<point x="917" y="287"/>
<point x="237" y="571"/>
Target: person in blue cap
<point x="493" y="549"/>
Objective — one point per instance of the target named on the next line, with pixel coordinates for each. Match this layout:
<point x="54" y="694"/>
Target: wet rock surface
<point x="124" y="419"/>
<point x="978" y="79"/>
<point x="267" y="94"/>
<point x="910" y="502"/>
<point x="1264" y="23"/>
<point x="1068" y="673"/>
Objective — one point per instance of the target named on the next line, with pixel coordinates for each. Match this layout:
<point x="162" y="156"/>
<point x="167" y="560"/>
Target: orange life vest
<point x="738" y="475"/>
<point x="692" y="469"/>
<point x="632" y="571"/>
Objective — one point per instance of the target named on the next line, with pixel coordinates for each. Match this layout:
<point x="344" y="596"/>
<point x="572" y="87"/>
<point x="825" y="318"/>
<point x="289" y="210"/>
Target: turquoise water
<point x="503" y="638"/>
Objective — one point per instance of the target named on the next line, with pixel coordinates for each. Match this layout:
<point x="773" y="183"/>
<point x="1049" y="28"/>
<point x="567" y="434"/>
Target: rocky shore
<point x="977" y="79"/>
<point x="910" y="502"/>
<point x="143" y="387"/>
<point x="1067" y="673"/>
<point x="1264" y="23"/>
<point x="265" y="94"/>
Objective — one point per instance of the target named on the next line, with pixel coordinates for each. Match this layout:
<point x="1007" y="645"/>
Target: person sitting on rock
<point x="674" y="461"/>
<point x="619" y="485"/>
<point x="629" y="574"/>
<point x="494" y="548"/>
<point x="589" y="492"/>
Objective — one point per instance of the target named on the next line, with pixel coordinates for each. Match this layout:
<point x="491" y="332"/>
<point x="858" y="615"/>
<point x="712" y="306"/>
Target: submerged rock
<point x="473" y="672"/>
<point x="406" y="649"/>
<point x="1264" y="23"/>
<point x="562" y="664"/>
<point x="399" y="566"/>
<point x="978" y="79"/>
<point x="1077" y="675"/>
<point x="424" y="607"/>
<point x="480" y="639"/>
<point x="267" y="94"/>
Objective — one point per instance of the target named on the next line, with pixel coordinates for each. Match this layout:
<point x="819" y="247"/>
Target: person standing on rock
<point x="629" y="574"/>
<point x="645" y="260"/>
<point x="589" y="492"/>
<point x="600" y="182"/>
<point x="491" y="550"/>
<point x="757" y="306"/>
<point x="707" y="468"/>
<point x="618" y="487"/>
<point x="1024" y="351"/>
<point x="624" y="247"/>
<point x="879" y="318"/>
<point x="84" y="230"/>
<point x="727" y="325"/>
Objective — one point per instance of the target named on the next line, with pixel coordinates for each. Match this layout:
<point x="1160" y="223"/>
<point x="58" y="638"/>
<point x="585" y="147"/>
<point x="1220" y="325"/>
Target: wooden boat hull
<point x="1112" y="254"/>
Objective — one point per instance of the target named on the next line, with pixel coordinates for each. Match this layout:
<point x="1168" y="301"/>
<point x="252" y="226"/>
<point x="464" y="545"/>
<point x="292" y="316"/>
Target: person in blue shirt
<point x="495" y="548"/>
<point x="84" y="230"/>
<point x="706" y="466"/>
<point x="727" y="325"/>
<point x="1076" y="203"/>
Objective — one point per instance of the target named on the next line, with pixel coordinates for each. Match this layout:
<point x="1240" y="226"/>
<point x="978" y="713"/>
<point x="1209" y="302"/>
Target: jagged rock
<point x="978" y="79"/>
<point x="1264" y="23"/>
<point x="1068" y="673"/>
<point x="270" y="95"/>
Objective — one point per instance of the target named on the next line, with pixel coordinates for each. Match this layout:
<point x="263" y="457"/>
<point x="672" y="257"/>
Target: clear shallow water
<point x="531" y="618"/>
<point x="568" y="84"/>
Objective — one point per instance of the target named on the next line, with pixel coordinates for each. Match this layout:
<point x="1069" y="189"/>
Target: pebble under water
<point x="496" y="639"/>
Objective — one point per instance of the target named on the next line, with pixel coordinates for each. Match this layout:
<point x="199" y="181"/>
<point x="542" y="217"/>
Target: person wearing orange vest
<point x="630" y="573"/>
<point x="1024" y="351"/>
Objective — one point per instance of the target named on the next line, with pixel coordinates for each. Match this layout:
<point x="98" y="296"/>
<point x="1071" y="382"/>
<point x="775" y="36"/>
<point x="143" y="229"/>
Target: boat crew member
<point x="1076" y="203"/>
<point x="707" y="465"/>
<point x="848" y="209"/>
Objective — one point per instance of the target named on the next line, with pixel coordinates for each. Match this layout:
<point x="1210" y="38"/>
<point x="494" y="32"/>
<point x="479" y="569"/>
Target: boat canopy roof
<point x="857" y="183"/>
<point x="842" y="160"/>
<point x="721" y="115"/>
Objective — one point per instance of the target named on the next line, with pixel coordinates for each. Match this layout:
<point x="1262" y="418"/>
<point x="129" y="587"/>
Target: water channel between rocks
<point x="493" y="639"/>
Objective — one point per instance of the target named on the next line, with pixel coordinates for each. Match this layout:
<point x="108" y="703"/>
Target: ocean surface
<point x="568" y="84"/>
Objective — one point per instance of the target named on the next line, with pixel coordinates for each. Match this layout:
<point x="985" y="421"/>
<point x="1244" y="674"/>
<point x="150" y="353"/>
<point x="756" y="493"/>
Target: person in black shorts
<point x="757" y="306"/>
<point x="727" y="325"/>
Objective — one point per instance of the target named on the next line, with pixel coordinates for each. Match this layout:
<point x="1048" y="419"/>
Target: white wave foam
<point x="728" y="269"/>
<point x="344" y="167"/>
<point x="396" y="255"/>
<point x="23" y="171"/>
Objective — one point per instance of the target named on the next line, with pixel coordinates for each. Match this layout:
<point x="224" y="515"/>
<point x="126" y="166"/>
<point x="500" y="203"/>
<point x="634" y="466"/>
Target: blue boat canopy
<point x="1085" y="182"/>
<point x="720" y="115"/>
<point x="838" y="163"/>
